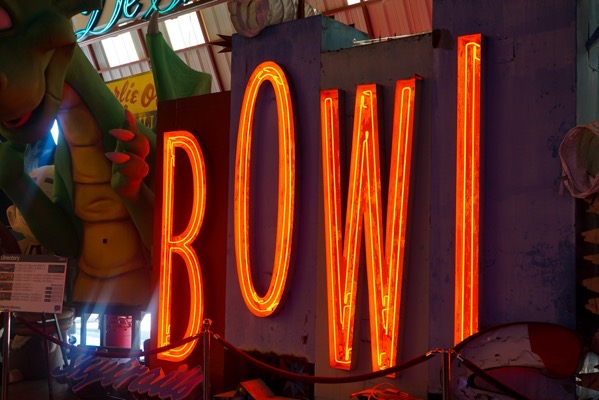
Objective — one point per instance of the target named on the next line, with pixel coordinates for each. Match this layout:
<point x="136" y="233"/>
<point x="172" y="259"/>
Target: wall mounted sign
<point x="467" y="186"/>
<point x="32" y="283"/>
<point x="181" y="244"/>
<point x="189" y="274"/>
<point x="267" y="304"/>
<point x="384" y="239"/>
<point x="364" y="216"/>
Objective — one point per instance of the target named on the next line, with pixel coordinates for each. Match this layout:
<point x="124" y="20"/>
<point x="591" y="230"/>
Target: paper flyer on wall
<point x="32" y="283"/>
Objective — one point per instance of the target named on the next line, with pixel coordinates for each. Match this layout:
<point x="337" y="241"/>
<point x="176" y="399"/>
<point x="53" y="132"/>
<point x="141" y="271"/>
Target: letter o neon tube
<point x="266" y="305"/>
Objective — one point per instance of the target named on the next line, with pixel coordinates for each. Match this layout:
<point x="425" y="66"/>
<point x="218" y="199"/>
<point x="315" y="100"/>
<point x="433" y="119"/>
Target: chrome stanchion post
<point x="207" y="323"/>
<point x="5" y="353"/>
<point x="446" y="375"/>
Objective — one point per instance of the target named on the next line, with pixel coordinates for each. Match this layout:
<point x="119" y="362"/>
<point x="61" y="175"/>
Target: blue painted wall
<point x="587" y="87"/>
<point x="529" y="102"/>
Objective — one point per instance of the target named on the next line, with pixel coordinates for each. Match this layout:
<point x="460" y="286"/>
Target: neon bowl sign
<point x="384" y="241"/>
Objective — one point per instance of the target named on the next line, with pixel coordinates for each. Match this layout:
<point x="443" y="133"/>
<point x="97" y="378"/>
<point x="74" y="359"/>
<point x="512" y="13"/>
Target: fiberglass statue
<point x="101" y="210"/>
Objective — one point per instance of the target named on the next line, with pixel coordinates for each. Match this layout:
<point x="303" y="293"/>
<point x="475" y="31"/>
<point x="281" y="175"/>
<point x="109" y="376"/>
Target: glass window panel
<point x="184" y="31"/>
<point x="120" y="49"/>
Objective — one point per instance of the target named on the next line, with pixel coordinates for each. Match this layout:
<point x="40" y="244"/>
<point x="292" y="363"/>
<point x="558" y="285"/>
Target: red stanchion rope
<point x="324" y="379"/>
<point x="282" y="373"/>
<point x="276" y="371"/>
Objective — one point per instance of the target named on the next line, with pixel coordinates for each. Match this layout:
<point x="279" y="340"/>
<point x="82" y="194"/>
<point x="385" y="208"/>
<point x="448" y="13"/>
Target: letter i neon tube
<point x="467" y="187"/>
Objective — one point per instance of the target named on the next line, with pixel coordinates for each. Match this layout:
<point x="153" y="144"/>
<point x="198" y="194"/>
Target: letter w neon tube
<point x="180" y="244"/>
<point x="364" y="210"/>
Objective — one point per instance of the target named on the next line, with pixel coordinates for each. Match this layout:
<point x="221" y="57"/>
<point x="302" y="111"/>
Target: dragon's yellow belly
<point x="113" y="263"/>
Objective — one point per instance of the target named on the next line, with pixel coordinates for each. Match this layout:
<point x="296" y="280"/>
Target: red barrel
<point x="118" y="331"/>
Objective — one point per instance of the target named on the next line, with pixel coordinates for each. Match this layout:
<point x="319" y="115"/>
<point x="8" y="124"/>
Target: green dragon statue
<point x="101" y="213"/>
<point x="102" y="208"/>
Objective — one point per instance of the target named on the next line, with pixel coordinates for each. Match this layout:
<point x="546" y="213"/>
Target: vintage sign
<point x="384" y="256"/>
<point x="467" y="186"/>
<point x="137" y="93"/>
<point x="115" y="12"/>
<point x="88" y="375"/>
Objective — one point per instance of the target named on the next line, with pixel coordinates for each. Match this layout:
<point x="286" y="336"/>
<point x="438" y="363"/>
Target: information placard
<point x="32" y="283"/>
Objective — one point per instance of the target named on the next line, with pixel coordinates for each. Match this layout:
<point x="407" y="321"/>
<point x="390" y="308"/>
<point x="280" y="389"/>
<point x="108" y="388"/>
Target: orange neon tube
<point x="467" y="187"/>
<point x="266" y="305"/>
<point x="180" y="245"/>
<point x="364" y="208"/>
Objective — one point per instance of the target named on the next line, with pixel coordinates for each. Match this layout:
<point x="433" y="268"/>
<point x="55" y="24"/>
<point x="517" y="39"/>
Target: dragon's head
<point x="36" y="46"/>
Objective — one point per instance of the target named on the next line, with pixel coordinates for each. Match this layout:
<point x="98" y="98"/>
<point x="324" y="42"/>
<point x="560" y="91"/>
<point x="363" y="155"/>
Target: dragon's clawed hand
<point x="128" y="159"/>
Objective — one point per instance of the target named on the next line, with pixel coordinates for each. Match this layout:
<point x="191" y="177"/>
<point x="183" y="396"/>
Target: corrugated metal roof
<point x="217" y="21"/>
<point x="378" y="18"/>
<point x="399" y="17"/>
<point x="385" y="17"/>
<point x="327" y="5"/>
<point x="352" y="16"/>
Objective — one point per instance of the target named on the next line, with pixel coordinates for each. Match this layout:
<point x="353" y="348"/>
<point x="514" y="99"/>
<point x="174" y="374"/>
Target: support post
<point x="207" y="323"/>
<point x="48" y="361"/>
<point x="5" y="354"/>
<point x="446" y="375"/>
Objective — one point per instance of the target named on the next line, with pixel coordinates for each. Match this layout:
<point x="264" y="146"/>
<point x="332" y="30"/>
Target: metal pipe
<point x="446" y="375"/>
<point x="207" y="323"/>
<point x="48" y="361"/>
<point x="5" y="354"/>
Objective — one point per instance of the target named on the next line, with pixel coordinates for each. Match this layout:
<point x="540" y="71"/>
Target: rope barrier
<point x="282" y="373"/>
<point x="377" y="374"/>
<point x="106" y="354"/>
<point x="324" y="379"/>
